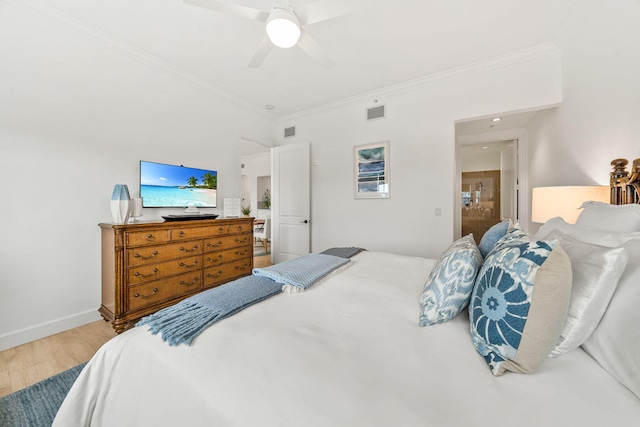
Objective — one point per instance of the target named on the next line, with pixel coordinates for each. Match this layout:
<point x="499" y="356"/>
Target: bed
<point x="349" y="352"/>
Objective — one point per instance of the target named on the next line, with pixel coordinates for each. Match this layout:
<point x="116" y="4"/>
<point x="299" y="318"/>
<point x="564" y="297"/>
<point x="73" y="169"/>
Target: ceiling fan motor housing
<point x="283" y="27"/>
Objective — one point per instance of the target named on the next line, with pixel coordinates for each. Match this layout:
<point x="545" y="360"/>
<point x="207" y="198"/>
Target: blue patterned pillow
<point x="491" y="237"/>
<point x="450" y="283"/>
<point x="509" y="327"/>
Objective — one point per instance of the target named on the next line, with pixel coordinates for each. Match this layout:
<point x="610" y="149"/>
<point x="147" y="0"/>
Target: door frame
<point x="521" y="192"/>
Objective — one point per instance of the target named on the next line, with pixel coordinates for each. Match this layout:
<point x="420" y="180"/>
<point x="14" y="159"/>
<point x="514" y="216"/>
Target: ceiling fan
<point x="286" y="27"/>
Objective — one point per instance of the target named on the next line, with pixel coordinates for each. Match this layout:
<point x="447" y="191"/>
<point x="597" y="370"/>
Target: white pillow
<point x="585" y="234"/>
<point x="615" y="343"/>
<point x="596" y="271"/>
<point x="606" y="217"/>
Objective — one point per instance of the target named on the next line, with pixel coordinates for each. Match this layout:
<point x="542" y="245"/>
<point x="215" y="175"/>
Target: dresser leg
<point x="119" y="325"/>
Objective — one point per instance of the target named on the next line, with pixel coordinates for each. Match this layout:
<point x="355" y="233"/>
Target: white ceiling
<point x="385" y="43"/>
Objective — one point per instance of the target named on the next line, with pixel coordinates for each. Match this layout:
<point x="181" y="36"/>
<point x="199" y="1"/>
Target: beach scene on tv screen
<point x="177" y="186"/>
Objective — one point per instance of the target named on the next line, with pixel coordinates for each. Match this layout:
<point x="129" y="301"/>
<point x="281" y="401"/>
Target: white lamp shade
<point x="283" y="28"/>
<point x="565" y="202"/>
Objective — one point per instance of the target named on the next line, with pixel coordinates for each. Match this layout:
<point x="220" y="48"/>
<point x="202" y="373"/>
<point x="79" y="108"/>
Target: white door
<point x="290" y="201"/>
<point x="509" y="182"/>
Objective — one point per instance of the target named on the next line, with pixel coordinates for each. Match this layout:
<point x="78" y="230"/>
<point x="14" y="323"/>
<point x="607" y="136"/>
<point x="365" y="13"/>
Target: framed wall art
<point x="371" y="171"/>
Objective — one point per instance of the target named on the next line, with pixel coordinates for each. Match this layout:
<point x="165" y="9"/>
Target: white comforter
<point x="348" y="352"/>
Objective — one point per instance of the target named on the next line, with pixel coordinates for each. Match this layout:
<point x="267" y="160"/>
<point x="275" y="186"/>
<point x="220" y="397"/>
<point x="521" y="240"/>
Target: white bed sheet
<point x="348" y="352"/>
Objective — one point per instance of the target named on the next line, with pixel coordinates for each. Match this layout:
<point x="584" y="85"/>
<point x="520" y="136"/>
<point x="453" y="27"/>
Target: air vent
<point x="374" y="113"/>
<point x="289" y="131"/>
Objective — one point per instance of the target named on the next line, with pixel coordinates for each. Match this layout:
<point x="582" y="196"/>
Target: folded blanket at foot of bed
<point x="302" y="272"/>
<point x="183" y="322"/>
<point x="345" y="252"/>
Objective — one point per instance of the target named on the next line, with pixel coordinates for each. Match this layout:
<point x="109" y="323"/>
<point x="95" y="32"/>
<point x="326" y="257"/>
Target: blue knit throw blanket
<point x="302" y="272"/>
<point x="183" y="322"/>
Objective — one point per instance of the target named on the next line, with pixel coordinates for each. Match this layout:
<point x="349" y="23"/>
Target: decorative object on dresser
<point x="625" y="188"/>
<point x="120" y="201"/>
<point x="147" y="266"/>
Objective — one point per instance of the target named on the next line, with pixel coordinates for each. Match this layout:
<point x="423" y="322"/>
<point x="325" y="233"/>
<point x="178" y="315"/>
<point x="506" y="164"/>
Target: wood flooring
<point x="30" y="363"/>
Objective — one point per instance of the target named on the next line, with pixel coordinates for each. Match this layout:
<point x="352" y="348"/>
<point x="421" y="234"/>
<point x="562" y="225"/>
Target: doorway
<point x="480" y="202"/>
<point x="489" y="185"/>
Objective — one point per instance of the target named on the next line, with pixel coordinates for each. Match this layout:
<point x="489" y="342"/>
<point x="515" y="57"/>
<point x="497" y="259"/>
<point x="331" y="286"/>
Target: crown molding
<point x="125" y="49"/>
<point x="409" y="85"/>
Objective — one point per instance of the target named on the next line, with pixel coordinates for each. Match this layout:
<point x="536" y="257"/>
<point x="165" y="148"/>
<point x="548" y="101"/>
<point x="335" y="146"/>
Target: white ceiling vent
<point x="289" y="131"/>
<point x="375" y="113"/>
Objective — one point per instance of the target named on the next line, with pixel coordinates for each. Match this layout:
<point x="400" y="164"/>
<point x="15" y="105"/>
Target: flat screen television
<point x="172" y="186"/>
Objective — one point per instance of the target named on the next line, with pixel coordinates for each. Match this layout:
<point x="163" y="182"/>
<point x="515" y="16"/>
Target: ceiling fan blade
<point x="261" y="52"/>
<point x="313" y="49"/>
<point x="321" y="10"/>
<point x="233" y="9"/>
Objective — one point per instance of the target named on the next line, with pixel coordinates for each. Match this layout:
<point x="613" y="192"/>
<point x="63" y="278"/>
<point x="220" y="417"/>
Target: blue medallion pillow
<point x="519" y="302"/>
<point x="491" y="237"/>
<point x="450" y="283"/>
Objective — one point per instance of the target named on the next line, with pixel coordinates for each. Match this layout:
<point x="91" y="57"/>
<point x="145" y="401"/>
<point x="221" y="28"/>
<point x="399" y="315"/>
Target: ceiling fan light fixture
<point x="283" y="27"/>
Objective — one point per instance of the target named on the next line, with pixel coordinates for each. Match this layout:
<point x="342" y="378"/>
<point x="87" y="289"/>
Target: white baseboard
<point x="32" y="333"/>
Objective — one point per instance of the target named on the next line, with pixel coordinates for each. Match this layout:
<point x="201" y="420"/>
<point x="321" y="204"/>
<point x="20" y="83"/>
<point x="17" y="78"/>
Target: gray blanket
<point x="183" y="322"/>
<point x="346" y="252"/>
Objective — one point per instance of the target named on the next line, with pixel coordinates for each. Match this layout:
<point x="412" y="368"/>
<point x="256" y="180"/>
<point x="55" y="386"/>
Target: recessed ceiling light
<point x="485" y="147"/>
<point x="269" y="107"/>
<point x="496" y="119"/>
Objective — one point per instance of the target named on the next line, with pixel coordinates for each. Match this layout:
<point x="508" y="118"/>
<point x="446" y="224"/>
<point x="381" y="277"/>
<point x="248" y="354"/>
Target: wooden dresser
<point x="147" y="266"/>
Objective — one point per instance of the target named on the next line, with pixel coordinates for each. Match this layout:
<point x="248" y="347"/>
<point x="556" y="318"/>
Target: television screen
<point x="170" y="186"/>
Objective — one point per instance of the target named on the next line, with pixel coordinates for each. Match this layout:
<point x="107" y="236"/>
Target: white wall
<point x="420" y="127"/>
<point x="598" y="120"/>
<point x="75" y="119"/>
<point x="481" y="162"/>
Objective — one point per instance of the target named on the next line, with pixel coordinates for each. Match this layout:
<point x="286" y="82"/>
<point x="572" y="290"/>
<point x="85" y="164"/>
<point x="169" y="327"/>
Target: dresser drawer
<point x="154" y="254"/>
<point x="222" y="257"/>
<point x="225" y="242"/>
<point x="147" y="237"/>
<point x="214" y="276"/>
<point x="240" y="228"/>
<point x="158" y="270"/>
<point x="157" y="291"/>
<point x="198" y="232"/>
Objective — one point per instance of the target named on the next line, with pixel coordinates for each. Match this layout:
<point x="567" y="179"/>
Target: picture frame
<point x="371" y="171"/>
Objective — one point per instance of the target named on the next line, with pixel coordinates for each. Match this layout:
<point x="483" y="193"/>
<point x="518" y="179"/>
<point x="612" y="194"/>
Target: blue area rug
<point x="37" y="405"/>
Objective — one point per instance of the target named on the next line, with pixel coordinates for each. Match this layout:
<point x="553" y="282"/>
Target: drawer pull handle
<point x="216" y="245"/>
<point x="136" y="295"/>
<point x="218" y="274"/>
<point x="154" y="253"/>
<point x="243" y="267"/>
<point x="245" y="240"/>
<point x="242" y="253"/>
<point x="193" y="282"/>
<point x="220" y="229"/>
<point x="137" y="273"/>
<point x="195" y="263"/>
<point x="195" y="247"/>
<point x="150" y="237"/>
<point x="214" y="260"/>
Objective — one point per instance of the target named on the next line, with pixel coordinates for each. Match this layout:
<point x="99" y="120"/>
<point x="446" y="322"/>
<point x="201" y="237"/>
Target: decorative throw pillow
<point x="519" y="302"/>
<point x="596" y="271"/>
<point x="448" y="289"/>
<point x="492" y="235"/>
<point x="603" y="216"/>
